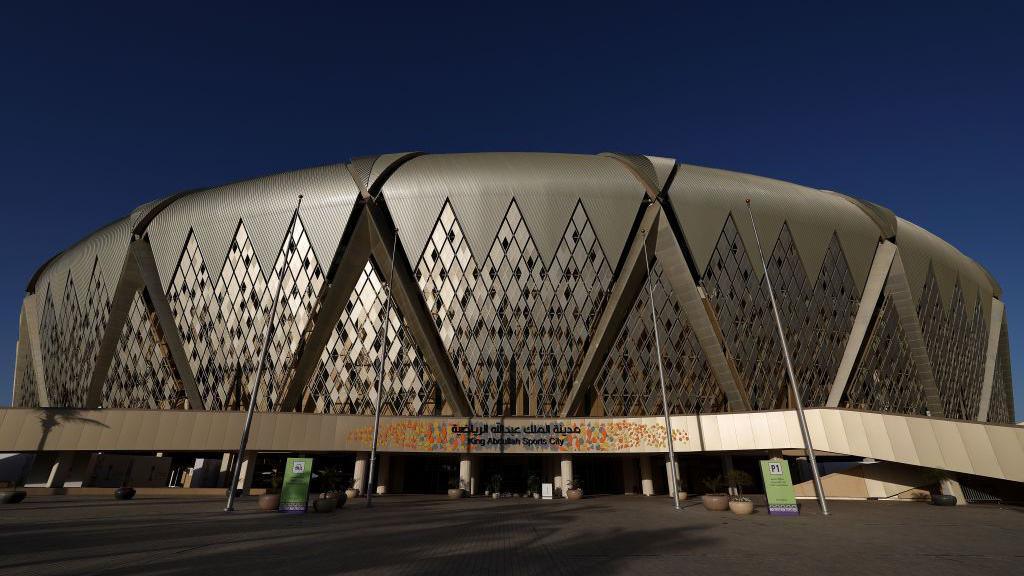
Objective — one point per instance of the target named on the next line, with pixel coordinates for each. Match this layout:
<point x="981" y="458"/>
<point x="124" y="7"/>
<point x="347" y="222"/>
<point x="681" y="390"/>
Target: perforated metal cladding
<point x="816" y="317"/>
<point x="956" y="340"/>
<point x="514" y="327"/>
<point x="1000" y="410"/>
<point x="70" y="338"/>
<point x="141" y="375"/>
<point x="628" y="384"/>
<point x="886" y="378"/>
<point x="345" y="381"/>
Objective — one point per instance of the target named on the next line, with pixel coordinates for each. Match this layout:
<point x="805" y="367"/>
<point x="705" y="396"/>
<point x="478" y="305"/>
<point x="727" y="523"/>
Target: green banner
<point x="295" y="488"/>
<point x="778" y="487"/>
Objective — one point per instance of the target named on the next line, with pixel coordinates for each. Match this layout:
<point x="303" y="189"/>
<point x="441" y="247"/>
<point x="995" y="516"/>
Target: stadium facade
<point x="521" y="328"/>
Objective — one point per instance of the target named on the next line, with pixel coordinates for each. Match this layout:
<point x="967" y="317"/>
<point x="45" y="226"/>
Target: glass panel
<point x="141" y="375"/>
<point x="514" y="327"/>
<point x="345" y="381"/>
<point x="628" y="384"/>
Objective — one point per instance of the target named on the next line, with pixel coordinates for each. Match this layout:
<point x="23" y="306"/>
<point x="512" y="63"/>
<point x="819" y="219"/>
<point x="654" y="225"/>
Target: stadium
<point x="508" y="303"/>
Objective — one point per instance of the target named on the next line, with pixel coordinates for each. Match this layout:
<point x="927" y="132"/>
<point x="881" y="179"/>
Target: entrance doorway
<point x="423" y="474"/>
<point x="599" y="474"/>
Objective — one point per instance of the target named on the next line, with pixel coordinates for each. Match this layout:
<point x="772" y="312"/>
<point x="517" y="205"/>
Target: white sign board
<point x="547" y="491"/>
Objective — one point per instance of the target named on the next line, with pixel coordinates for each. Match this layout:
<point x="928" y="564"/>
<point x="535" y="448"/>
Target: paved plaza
<point x="432" y="535"/>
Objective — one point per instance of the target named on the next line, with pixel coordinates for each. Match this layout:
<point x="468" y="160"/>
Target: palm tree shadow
<point x="51" y="418"/>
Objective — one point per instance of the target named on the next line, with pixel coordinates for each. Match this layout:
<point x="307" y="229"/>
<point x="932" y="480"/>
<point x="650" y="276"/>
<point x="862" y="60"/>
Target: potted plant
<point x="496" y="486"/>
<point x="271" y="501"/>
<point x="351" y="491"/>
<point x="455" y="490"/>
<point x="679" y="490"/>
<point x="575" y="491"/>
<point x="715" y="500"/>
<point x="533" y="485"/>
<point x="330" y="483"/>
<point x="739" y="504"/>
<point x="325" y="502"/>
<point x="124" y="493"/>
<point x="9" y="493"/>
<point x="937" y="477"/>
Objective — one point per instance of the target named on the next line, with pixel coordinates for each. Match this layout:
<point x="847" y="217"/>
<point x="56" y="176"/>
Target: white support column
<point x="359" y="472"/>
<point x="382" y="474"/>
<point x="951" y="487"/>
<point x="224" y="475"/>
<point x="884" y="255"/>
<point x="474" y="476"/>
<point x="566" y="466"/>
<point x="995" y="326"/>
<point x="60" y="469"/>
<point x="668" y="475"/>
<point x="247" y="471"/>
<point x="646" y="475"/>
<point x="466" y="473"/>
<point x="629" y="480"/>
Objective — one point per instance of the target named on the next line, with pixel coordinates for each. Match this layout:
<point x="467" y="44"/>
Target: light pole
<point x="673" y="482"/>
<point x="237" y="468"/>
<point x="371" y="488"/>
<point x="789" y="371"/>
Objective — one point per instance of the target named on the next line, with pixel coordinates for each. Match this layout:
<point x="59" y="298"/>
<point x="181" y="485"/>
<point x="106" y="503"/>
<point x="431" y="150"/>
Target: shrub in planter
<point x="575" y="490"/>
<point x="494" y="486"/>
<point x="331" y="479"/>
<point x="741" y="505"/>
<point x="455" y="490"/>
<point x="124" y="493"/>
<point x="271" y="501"/>
<point x="12" y="496"/>
<point x="327" y="502"/>
<point x="533" y="485"/>
<point x="715" y="500"/>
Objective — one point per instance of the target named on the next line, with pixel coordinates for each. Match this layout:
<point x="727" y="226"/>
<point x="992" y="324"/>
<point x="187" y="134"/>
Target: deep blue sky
<point x="107" y="105"/>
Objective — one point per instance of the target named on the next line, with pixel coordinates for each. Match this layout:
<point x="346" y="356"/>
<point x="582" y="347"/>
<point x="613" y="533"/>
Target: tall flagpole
<point x="237" y="468"/>
<point x="371" y="488"/>
<point x="789" y="370"/>
<point x="673" y="482"/>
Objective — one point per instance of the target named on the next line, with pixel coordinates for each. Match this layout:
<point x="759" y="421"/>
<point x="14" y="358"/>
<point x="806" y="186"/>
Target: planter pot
<point x="124" y="493"/>
<point x="716" y="502"/>
<point x="325" y="505"/>
<point x="741" y="508"/>
<point x="943" y="500"/>
<point x="270" y="502"/>
<point x="574" y="494"/>
<point x="683" y="496"/>
<point x="456" y="493"/>
<point x="495" y="495"/>
<point x="12" y="496"/>
<point x="536" y="496"/>
<point x="351" y="493"/>
<point x="338" y="497"/>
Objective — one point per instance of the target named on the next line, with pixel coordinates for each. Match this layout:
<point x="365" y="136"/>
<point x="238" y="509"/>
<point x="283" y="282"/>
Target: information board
<point x="295" y="488"/>
<point x="547" y="491"/>
<point x="778" y="487"/>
